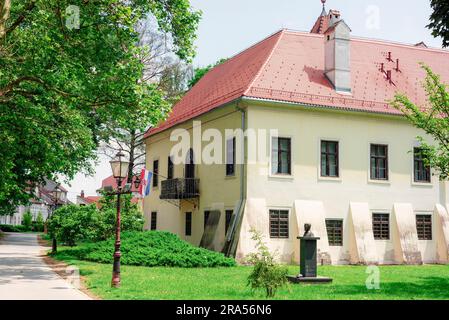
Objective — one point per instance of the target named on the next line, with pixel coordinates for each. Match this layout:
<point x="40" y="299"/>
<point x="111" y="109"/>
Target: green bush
<point x="27" y="221"/>
<point x="11" y="228"/>
<point x="151" y="249"/>
<point x="73" y="223"/>
<point x="39" y="224"/>
<point x="267" y="274"/>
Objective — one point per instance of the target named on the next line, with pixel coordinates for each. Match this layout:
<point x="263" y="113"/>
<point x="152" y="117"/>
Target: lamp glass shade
<point x="119" y="166"/>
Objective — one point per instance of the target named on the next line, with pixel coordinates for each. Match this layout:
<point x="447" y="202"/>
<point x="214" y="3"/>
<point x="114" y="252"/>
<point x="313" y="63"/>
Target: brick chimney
<point x="82" y="194"/>
<point x="338" y="52"/>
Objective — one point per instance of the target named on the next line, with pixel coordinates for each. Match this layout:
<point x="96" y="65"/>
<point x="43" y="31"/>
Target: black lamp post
<point x="119" y="167"/>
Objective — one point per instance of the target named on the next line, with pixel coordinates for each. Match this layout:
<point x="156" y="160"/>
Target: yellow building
<point x="321" y="146"/>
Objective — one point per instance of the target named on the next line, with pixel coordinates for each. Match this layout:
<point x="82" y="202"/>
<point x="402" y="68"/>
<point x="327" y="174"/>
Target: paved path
<point x="24" y="275"/>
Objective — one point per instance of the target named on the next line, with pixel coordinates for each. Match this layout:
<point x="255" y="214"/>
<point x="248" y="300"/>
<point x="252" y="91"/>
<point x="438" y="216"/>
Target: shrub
<point x="11" y="228"/>
<point x="73" y="223"/>
<point x="39" y="225"/>
<point x="27" y="221"/>
<point x="267" y="274"/>
<point x="151" y="249"/>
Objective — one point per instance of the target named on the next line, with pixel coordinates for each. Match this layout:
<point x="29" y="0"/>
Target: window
<point x="424" y="227"/>
<point x="381" y="226"/>
<point x="155" y="173"/>
<point x="329" y="159"/>
<point x="335" y="232"/>
<point x="228" y="220"/>
<point x="170" y="168"/>
<point x="420" y="168"/>
<point x="279" y="224"/>
<point x="190" y="166"/>
<point x="230" y="157"/>
<point x="188" y="223"/>
<point x="379" y="162"/>
<point x="206" y="217"/>
<point x="153" y="221"/>
<point x="281" y="156"/>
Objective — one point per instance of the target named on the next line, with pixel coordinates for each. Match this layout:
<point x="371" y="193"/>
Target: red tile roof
<point x="289" y="66"/>
<point x="111" y="181"/>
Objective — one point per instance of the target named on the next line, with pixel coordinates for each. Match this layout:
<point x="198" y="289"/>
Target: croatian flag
<point x="145" y="184"/>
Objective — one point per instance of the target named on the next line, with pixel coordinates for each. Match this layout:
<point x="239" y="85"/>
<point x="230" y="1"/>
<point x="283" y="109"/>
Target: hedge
<point x="151" y="249"/>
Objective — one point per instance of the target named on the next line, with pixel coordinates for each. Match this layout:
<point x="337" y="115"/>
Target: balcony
<point x="178" y="189"/>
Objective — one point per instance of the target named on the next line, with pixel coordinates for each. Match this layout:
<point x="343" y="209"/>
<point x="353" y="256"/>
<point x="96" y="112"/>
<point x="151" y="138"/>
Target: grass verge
<point x="143" y="283"/>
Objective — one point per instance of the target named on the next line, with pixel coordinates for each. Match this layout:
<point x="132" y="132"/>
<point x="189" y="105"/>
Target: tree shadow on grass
<point x="436" y="288"/>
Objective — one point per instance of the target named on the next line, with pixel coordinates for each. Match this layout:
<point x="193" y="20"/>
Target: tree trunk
<point x="132" y="147"/>
<point x="5" y="9"/>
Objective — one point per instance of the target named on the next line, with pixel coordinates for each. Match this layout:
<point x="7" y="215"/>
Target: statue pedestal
<point x="308" y="263"/>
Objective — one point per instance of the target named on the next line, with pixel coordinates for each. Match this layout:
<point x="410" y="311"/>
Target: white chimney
<point x="337" y="51"/>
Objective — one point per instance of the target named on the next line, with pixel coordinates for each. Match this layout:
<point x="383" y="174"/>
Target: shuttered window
<point x="155" y="173"/>
<point x="424" y="227"/>
<point x="188" y="229"/>
<point x="379" y="162"/>
<point x="170" y="168"/>
<point x="279" y="224"/>
<point x="153" y="221"/>
<point x="381" y="226"/>
<point x="281" y="156"/>
<point x="329" y="159"/>
<point x="420" y="168"/>
<point x="230" y="157"/>
<point x="335" y="232"/>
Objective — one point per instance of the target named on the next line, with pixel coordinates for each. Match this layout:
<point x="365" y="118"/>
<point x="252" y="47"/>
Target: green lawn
<point x="397" y="282"/>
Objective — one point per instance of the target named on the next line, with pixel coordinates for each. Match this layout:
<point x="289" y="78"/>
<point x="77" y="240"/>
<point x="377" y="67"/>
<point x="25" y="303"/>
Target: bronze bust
<point x="308" y="233"/>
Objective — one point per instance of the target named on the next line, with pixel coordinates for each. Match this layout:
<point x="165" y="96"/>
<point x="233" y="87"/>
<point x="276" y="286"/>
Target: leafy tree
<point x="60" y="87"/>
<point x="72" y="223"/>
<point x="27" y="220"/>
<point x="433" y="120"/>
<point x="131" y="216"/>
<point x="267" y="274"/>
<point x="201" y="72"/>
<point x="439" y="20"/>
<point x="166" y="77"/>
<point x="39" y="222"/>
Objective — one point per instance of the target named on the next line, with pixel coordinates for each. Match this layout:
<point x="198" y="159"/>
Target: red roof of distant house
<point x="289" y="66"/>
<point x="92" y="199"/>
<point x="111" y="181"/>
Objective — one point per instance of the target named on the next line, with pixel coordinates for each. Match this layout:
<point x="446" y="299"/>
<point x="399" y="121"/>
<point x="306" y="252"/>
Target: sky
<point x="230" y="26"/>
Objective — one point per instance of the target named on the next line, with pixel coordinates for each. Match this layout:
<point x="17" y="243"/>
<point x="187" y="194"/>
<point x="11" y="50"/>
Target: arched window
<point x="190" y="165"/>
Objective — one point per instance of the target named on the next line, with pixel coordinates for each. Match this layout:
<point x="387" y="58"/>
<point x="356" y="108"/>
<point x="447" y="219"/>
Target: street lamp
<point x="119" y="167"/>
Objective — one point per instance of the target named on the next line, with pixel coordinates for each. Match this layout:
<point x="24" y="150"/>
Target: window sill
<point x="422" y="184"/>
<point x="380" y="182"/>
<point x="281" y="176"/>
<point x="329" y="179"/>
<point x="230" y="177"/>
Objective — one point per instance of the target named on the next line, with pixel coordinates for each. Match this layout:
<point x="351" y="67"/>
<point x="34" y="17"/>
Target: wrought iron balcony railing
<point x="181" y="188"/>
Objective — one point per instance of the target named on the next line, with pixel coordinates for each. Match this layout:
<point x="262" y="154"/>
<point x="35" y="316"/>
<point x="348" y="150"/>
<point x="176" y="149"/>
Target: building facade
<point x="322" y="146"/>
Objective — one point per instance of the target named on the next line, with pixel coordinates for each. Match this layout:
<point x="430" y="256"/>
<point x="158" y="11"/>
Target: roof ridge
<point x="281" y="33"/>
<point x="252" y="46"/>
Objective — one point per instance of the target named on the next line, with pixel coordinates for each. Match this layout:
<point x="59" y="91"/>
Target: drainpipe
<point x="232" y="237"/>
